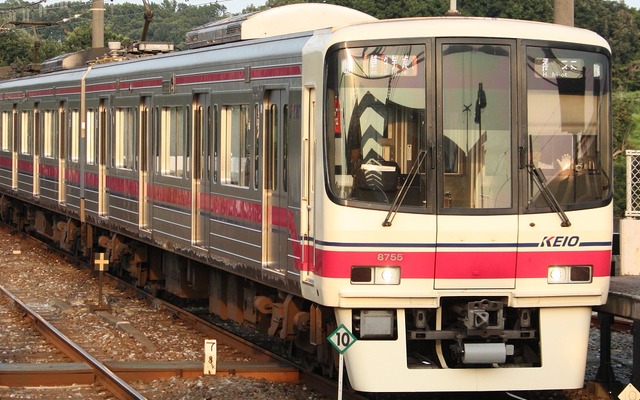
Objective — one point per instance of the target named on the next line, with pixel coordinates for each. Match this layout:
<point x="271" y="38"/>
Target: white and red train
<point x="439" y="186"/>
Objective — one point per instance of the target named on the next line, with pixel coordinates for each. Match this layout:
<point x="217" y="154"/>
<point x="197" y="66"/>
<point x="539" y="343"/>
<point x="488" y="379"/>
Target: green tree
<point x="626" y="123"/>
<point x="80" y="38"/>
<point x="528" y="10"/>
<point x="396" y="8"/>
<point x="17" y="47"/>
<point x="624" y="106"/>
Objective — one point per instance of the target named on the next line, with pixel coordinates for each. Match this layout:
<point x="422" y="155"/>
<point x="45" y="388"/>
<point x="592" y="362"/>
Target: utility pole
<point x="563" y="12"/>
<point x="453" y="9"/>
<point x="36" y="44"/>
<point x="97" y="24"/>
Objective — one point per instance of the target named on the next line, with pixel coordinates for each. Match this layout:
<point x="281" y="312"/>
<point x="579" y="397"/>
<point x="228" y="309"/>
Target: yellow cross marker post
<point x="102" y="264"/>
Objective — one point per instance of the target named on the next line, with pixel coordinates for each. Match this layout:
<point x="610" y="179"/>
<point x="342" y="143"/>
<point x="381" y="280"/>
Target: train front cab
<point x="466" y="228"/>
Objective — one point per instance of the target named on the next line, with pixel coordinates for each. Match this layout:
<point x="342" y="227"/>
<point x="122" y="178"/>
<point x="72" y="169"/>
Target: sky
<point x="236" y="6"/>
<point x="233" y="6"/>
<point x="633" y="3"/>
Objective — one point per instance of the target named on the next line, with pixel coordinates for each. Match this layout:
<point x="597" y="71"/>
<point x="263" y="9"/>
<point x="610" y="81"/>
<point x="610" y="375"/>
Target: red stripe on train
<point x="461" y="265"/>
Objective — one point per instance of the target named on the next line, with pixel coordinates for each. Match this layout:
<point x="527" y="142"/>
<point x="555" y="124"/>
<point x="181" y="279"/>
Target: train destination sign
<point x="559" y="68"/>
<point x="382" y="65"/>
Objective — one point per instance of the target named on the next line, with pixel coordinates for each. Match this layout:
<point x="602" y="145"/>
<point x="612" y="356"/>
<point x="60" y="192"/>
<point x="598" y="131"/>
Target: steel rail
<point x="314" y="381"/>
<point x="107" y="378"/>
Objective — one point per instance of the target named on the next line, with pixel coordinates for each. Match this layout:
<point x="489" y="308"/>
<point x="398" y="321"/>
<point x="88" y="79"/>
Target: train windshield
<point x="568" y="130"/>
<point x="375" y="122"/>
<point x="376" y="138"/>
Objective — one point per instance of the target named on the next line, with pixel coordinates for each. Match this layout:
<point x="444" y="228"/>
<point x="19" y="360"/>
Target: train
<point x="436" y="190"/>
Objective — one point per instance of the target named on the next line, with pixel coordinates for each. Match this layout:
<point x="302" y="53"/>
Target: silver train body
<point x="440" y="187"/>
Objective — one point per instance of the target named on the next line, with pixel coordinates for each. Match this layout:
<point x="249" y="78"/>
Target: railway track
<point x="150" y="374"/>
<point x="103" y="375"/>
<point x="239" y="358"/>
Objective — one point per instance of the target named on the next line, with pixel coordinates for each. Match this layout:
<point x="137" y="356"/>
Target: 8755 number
<point x="390" y="256"/>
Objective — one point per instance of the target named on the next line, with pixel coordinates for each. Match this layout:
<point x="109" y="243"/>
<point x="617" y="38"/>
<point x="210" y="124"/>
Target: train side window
<point x="215" y="133"/>
<point x="37" y="126"/>
<point x="272" y="154"/>
<point x="26" y="137"/>
<point x="75" y="136"/>
<point x="6" y="130"/>
<point x="15" y="132"/>
<point x="198" y="148"/>
<point x="125" y="138"/>
<point x="91" y="137"/>
<point x="62" y="148"/>
<point x="257" y="127"/>
<point x="50" y="149"/>
<point x="285" y="142"/>
<point x="173" y="128"/>
<point x="235" y="143"/>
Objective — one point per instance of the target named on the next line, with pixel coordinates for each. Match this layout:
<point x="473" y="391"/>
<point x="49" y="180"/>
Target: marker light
<point x="569" y="274"/>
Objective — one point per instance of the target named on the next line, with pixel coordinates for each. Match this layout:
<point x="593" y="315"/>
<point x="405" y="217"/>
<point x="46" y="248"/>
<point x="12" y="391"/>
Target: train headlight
<point x="387" y="276"/>
<point x="569" y="274"/>
<point x="375" y="275"/>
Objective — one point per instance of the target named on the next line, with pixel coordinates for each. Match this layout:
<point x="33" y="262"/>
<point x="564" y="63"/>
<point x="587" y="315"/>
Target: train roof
<point x="467" y="27"/>
<point x="278" y="21"/>
<point x="295" y="23"/>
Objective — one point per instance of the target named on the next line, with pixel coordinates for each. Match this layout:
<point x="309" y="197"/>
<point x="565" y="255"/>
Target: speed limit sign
<point x="341" y="339"/>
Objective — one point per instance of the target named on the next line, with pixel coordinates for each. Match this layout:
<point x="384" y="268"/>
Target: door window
<point x="476" y="124"/>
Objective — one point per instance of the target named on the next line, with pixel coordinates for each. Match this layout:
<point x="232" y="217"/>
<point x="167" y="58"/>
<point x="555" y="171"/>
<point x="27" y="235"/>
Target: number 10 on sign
<point x="341" y="339"/>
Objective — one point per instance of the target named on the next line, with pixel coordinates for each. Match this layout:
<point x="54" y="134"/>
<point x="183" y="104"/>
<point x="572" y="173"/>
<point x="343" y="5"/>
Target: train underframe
<point x="472" y="332"/>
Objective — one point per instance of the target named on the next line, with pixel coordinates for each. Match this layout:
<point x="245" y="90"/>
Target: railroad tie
<point x="126" y="327"/>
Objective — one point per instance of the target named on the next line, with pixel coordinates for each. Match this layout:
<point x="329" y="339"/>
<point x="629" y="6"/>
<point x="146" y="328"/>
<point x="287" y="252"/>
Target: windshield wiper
<point x="402" y="193"/>
<point x="541" y="183"/>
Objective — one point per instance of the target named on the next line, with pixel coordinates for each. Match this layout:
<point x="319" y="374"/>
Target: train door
<point x="275" y="206"/>
<point x="103" y="124"/>
<point x="14" y="148"/>
<point x="477" y="227"/>
<point x="37" y="132"/>
<point x="198" y="164"/>
<point x="26" y="113"/>
<point x="62" y="153"/>
<point x="308" y="189"/>
<point x="146" y="119"/>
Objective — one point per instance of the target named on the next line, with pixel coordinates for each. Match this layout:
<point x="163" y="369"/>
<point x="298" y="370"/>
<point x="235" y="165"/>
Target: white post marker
<point x="629" y="393"/>
<point x="341" y="339"/>
<point x="210" y="358"/>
